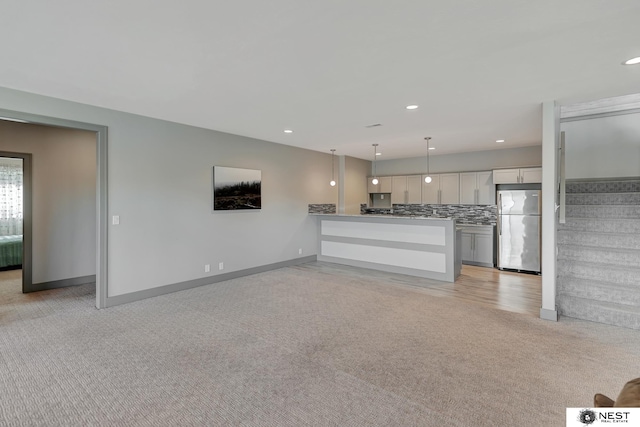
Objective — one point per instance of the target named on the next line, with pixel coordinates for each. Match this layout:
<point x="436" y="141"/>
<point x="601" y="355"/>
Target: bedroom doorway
<point x="15" y="217"/>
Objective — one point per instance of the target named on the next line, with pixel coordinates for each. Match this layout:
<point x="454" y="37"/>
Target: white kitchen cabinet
<point x="531" y="175"/>
<point x="477" y="188"/>
<point x="398" y="189"/>
<point x="414" y="189"/>
<point x="477" y="245"/>
<point x="384" y="185"/>
<point x="406" y="189"/>
<point x="517" y="176"/>
<point x="443" y="189"/>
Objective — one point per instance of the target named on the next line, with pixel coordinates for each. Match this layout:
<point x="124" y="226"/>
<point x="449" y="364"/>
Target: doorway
<point x="15" y="216"/>
<point x="98" y="251"/>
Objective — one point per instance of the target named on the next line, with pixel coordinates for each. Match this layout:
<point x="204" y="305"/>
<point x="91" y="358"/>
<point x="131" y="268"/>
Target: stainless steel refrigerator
<point x="519" y="230"/>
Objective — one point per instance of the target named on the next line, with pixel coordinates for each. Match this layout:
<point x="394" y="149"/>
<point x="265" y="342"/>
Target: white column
<point x="550" y="132"/>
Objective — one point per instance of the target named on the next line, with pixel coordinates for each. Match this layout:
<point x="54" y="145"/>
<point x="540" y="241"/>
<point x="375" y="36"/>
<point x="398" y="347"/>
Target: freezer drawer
<point x="519" y="242"/>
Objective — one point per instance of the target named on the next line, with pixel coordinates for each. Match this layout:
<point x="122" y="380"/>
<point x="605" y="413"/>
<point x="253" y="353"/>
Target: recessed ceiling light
<point x="378" y="154"/>
<point x="499" y="140"/>
<point x="288" y="131"/>
<point x="432" y="148"/>
<point x="411" y="107"/>
<point x="632" y="61"/>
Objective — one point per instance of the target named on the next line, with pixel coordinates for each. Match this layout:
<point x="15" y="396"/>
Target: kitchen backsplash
<point x="464" y="214"/>
<point x="322" y="208"/>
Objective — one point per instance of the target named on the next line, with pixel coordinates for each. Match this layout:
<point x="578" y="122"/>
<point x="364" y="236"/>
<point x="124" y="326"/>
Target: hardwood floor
<point x="517" y="292"/>
<point x="504" y="290"/>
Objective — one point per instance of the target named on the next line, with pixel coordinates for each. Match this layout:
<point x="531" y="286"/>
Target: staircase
<point x="599" y="253"/>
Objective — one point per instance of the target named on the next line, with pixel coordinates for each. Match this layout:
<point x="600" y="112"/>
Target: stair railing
<point x="562" y="193"/>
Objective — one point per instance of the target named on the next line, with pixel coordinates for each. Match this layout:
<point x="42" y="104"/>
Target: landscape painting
<point x="235" y="188"/>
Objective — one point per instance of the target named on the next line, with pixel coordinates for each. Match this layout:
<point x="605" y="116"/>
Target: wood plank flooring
<point x="504" y="290"/>
<point x="517" y="292"/>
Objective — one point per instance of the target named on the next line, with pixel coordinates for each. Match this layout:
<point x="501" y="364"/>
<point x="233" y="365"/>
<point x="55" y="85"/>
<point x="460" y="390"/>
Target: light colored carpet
<point x="299" y="346"/>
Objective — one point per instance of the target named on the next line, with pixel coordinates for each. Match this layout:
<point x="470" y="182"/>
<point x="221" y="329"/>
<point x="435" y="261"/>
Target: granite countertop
<point x="385" y="216"/>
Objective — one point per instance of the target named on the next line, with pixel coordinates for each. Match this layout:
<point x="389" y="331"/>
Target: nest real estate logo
<point x="580" y="417"/>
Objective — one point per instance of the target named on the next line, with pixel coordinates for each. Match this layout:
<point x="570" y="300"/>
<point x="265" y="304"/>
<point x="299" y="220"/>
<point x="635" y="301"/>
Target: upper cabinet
<point x="477" y="188"/>
<point x="384" y="185"/>
<point x="517" y="176"/>
<point x="443" y="189"/>
<point x="406" y="189"/>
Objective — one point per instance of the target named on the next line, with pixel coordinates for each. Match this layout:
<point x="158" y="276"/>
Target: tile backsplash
<point x="322" y="208"/>
<point x="464" y="214"/>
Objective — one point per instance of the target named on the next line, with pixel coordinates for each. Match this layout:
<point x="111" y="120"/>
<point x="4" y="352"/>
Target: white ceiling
<point x="478" y="69"/>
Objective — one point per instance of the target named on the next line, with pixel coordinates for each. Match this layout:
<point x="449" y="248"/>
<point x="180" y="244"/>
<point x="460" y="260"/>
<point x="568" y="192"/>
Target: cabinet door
<point x="398" y="189"/>
<point x="430" y="191"/>
<point x="385" y="184"/>
<point x="414" y="189"/>
<point x="506" y="176"/>
<point x="372" y="188"/>
<point x="467" y="247"/>
<point x="531" y="175"/>
<point x="486" y="189"/>
<point x="468" y="187"/>
<point x="483" y="248"/>
<point x="450" y="188"/>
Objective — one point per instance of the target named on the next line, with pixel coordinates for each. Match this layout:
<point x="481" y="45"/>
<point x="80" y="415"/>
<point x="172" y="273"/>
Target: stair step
<point x="596" y="254"/>
<point x="627" y="275"/>
<point x="614" y="186"/>
<point x="599" y="311"/>
<point x="603" y="199"/>
<point x="597" y="239"/>
<point x="602" y="225"/>
<point x="599" y="291"/>
<point x="603" y="211"/>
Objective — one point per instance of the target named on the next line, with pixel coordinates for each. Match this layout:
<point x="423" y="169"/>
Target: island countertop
<point x="418" y="246"/>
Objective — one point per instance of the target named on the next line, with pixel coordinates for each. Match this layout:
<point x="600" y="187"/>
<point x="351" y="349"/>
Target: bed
<point x="10" y="251"/>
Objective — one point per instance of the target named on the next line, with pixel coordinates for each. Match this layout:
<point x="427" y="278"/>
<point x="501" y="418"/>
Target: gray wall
<point x="463" y="162"/>
<point x="160" y="184"/>
<point x="603" y="147"/>
<point x="64" y="197"/>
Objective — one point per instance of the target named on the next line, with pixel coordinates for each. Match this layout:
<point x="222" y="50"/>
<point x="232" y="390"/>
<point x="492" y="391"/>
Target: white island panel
<point x="422" y="247"/>
<point x="407" y="233"/>
<point x="406" y="258"/>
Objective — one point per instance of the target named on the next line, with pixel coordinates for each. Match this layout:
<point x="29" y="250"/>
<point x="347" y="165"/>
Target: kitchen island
<point x="417" y="246"/>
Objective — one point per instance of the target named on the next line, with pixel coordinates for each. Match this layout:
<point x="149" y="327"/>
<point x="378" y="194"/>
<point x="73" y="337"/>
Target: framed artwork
<point x="236" y="189"/>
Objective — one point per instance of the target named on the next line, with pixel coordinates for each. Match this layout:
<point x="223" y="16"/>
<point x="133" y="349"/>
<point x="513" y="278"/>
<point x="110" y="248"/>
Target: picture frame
<point x="236" y="189"/>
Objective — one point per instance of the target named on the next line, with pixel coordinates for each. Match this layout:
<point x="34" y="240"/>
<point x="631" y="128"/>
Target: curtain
<point x="10" y="200"/>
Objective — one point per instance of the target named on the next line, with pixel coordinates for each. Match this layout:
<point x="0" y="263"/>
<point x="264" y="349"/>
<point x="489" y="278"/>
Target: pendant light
<point x="333" y="176"/>
<point x="374" y="181"/>
<point x="427" y="178"/>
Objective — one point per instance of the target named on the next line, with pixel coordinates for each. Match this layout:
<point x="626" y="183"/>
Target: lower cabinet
<point x="477" y="245"/>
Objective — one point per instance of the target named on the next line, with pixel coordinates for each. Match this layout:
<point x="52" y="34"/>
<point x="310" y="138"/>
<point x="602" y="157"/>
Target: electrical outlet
<point x="207" y="268"/>
<point x="300" y="251"/>
<point x="434" y="212"/>
<point x="221" y="266"/>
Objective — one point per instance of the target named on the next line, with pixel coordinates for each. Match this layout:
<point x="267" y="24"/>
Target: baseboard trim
<point x="189" y="284"/>
<point x="64" y="283"/>
<point x="547" y="314"/>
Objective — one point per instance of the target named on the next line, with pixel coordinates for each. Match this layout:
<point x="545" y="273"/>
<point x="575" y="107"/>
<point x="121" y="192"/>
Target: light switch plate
<point x="116" y="219"/>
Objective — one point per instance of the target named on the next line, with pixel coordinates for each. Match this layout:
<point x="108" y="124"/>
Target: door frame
<point x="101" y="189"/>
<point x="27" y="217"/>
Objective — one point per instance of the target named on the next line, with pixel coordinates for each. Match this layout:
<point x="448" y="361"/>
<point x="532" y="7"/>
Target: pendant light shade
<point x="427" y="178"/>
<point x="333" y="169"/>
<point x="374" y="181"/>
